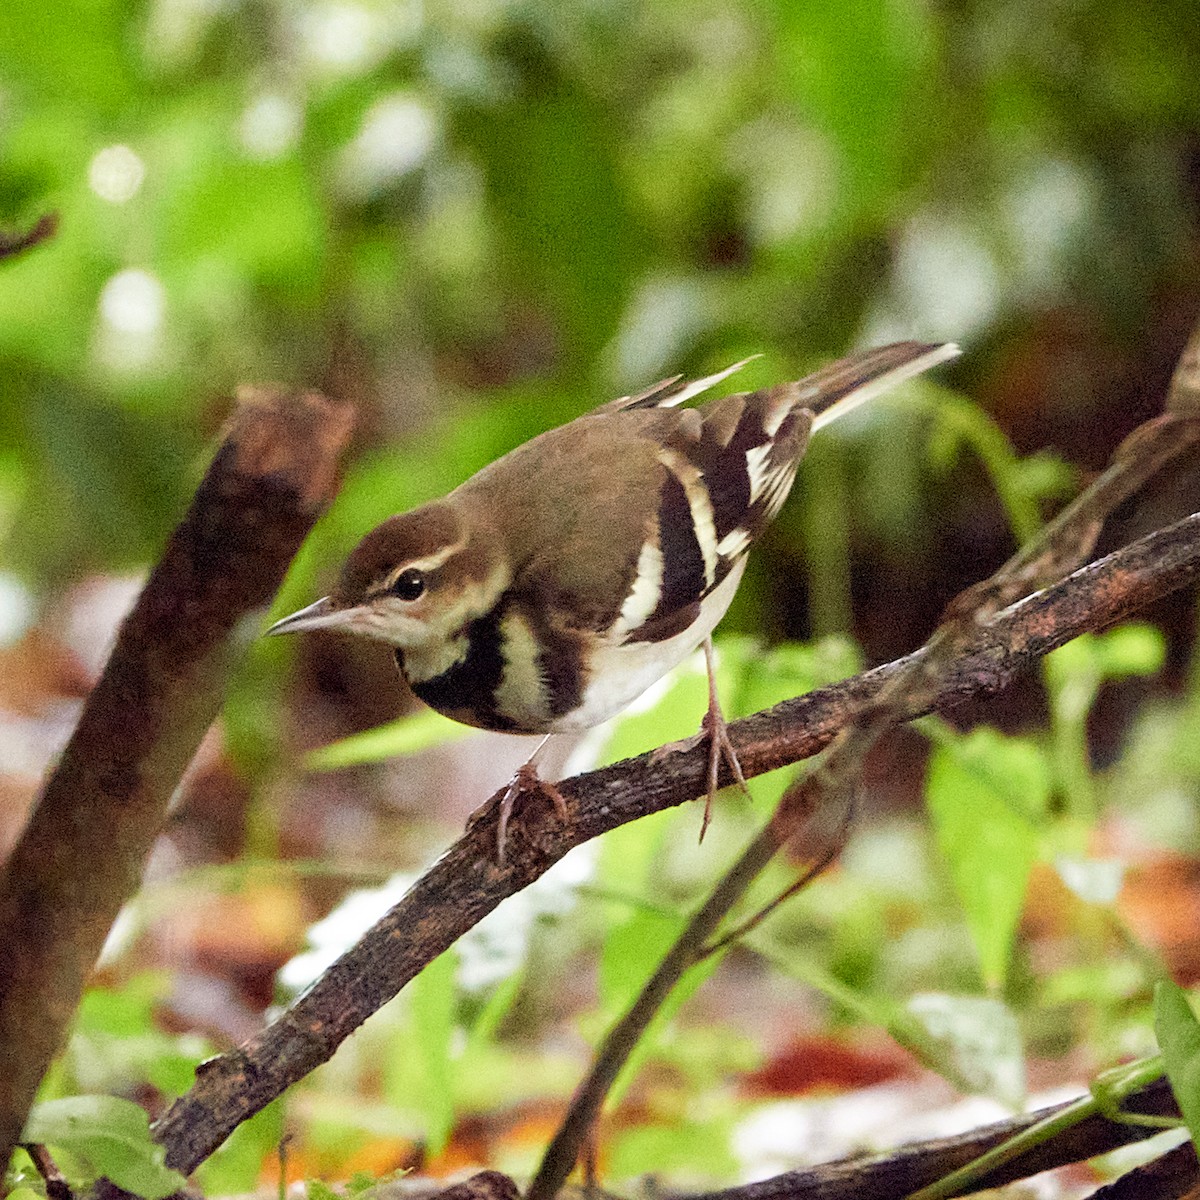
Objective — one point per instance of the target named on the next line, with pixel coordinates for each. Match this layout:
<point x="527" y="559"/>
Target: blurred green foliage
<point x="444" y="209"/>
<point x="477" y="219"/>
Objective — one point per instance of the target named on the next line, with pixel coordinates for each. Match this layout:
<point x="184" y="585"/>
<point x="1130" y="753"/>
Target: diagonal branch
<point x="831" y="787"/>
<point x="465" y="884"/>
<point x="13" y="243"/>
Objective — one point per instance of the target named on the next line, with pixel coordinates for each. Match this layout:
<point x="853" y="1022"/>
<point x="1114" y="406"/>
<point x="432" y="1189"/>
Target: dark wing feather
<point x="726" y="477"/>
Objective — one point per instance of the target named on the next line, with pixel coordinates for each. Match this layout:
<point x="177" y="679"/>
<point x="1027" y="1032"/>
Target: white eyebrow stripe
<point x="430" y="562"/>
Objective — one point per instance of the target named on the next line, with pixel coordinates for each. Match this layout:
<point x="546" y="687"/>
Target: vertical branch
<point x="82" y="853"/>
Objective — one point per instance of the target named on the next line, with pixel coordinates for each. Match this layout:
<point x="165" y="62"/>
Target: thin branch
<point x="1062" y="544"/>
<point x="1172" y="1176"/>
<point x="82" y="852"/>
<point x="57" y="1187"/>
<point x="12" y="243"/>
<point x="465" y="884"/>
<point x="577" y="1125"/>
<point x="898" y="1173"/>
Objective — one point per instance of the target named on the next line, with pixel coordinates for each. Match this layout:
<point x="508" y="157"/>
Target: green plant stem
<point x="1108" y="1091"/>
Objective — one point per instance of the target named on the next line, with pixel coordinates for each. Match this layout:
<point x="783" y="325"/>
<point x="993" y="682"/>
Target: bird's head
<point x="415" y="580"/>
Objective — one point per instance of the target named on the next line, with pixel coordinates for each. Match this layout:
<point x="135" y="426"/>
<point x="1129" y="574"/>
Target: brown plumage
<point x="552" y="588"/>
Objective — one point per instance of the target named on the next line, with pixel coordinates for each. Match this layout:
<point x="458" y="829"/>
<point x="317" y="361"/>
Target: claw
<point x="525" y="780"/>
<point x="716" y="729"/>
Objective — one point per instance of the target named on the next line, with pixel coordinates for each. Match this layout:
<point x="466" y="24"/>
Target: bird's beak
<point x="321" y="615"/>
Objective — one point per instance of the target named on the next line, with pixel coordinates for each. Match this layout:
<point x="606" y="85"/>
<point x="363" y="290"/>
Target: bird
<point x="552" y="588"/>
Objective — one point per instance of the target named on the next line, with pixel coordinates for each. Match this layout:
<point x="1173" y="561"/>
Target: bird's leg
<point x="719" y="745"/>
<point x="526" y="779"/>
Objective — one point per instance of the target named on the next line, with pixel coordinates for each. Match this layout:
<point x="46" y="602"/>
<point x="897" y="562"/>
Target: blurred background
<point x="477" y="220"/>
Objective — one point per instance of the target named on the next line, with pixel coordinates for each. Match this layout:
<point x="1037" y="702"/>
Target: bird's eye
<point x="409" y="585"/>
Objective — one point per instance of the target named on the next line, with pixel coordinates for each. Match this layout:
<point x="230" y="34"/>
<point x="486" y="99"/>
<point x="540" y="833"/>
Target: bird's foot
<point x="526" y="780"/>
<point x="715" y="728"/>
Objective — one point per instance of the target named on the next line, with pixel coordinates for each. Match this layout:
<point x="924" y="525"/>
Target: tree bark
<point x="466" y="883"/>
<point x="82" y="853"/>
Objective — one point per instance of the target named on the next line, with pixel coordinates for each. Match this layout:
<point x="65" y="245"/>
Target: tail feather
<point x="842" y="386"/>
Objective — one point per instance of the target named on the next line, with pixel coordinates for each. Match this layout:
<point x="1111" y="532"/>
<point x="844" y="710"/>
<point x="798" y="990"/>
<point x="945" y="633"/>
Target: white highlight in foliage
<point x="270" y="126"/>
<point x="330" y="937"/>
<point x="488" y="953"/>
<point x="342" y="38"/>
<point x="396" y="136"/>
<point x="134" y="302"/>
<point x="947" y="281"/>
<point x="665" y="316"/>
<point x="16" y="607"/>
<point x="115" y="174"/>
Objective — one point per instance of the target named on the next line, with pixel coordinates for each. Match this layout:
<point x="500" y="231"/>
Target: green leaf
<point x="1074" y="674"/>
<point x="570" y="236"/>
<point x="434" y="1001"/>
<point x="1133" y="649"/>
<point x="409" y="735"/>
<point x="495" y="1009"/>
<point x="1178" y="1034"/>
<point x="113" y="1135"/>
<point x="659" y="1026"/>
<point x="316" y="1189"/>
<point x="980" y="789"/>
<point x="631" y="952"/>
<point x="959" y="422"/>
<point x="973" y="1041"/>
<point x="856" y="70"/>
<point x="80" y="52"/>
<point x="236" y="1165"/>
<point x="696" y="1149"/>
<point x="765" y="678"/>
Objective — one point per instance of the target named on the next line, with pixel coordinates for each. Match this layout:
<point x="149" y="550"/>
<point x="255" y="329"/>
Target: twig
<point x="579" y="1121"/>
<point x="465" y="884"/>
<point x="1172" y="1176"/>
<point x="57" y="1187"/>
<point x="578" y="1124"/>
<point x="898" y="1173"/>
<point x="12" y="244"/>
<point x="81" y="854"/>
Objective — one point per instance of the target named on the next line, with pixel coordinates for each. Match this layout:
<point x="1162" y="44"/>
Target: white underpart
<point x="700" y="505"/>
<point x="521" y="693"/>
<point x="621" y="673"/>
<point x="646" y="590"/>
<point x="886" y="382"/>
